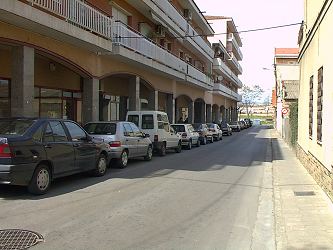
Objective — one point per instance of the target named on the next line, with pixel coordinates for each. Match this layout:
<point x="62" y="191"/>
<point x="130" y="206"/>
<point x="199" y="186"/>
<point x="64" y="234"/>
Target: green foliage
<point x="293" y="121"/>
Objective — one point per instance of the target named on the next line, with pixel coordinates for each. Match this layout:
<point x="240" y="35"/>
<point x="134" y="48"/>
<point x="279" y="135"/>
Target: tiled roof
<point x="286" y="51"/>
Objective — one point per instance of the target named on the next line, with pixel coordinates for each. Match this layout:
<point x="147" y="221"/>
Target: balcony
<point x="235" y="46"/>
<point x="154" y="56"/>
<point x="69" y="21"/>
<point x="164" y="11"/>
<point x="225" y="71"/>
<point x="235" y="64"/>
<point x="223" y="90"/>
<point x="199" y="43"/>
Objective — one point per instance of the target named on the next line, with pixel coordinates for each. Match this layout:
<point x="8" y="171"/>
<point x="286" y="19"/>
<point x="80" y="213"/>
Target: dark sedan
<point x="35" y="151"/>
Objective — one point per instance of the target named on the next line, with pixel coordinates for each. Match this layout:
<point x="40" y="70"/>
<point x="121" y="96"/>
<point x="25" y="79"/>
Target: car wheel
<point x="123" y="160"/>
<point x="40" y="181"/>
<point x="101" y="166"/>
<point x="204" y="141"/>
<point x="149" y="154"/>
<point x="198" y="142"/>
<point x="162" y="151"/>
<point x="189" y="146"/>
<point x="178" y="149"/>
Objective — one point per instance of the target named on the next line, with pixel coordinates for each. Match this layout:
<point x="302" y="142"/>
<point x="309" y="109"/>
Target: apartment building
<point x="286" y="73"/>
<point x="97" y="59"/>
<point x="315" y="130"/>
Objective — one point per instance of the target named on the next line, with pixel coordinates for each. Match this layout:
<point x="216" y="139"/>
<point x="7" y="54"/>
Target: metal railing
<point x="219" y="64"/>
<point x="124" y="36"/>
<point x="172" y="12"/>
<point x="193" y="34"/>
<point x="80" y="14"/>
<point x="198" y="75"/>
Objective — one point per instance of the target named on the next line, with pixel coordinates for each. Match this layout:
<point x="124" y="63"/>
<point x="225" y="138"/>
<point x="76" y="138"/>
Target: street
<point x="204" y="198"/>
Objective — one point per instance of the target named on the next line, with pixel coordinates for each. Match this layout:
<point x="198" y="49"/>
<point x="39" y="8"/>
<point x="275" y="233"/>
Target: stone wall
<point x="318" y="171"/>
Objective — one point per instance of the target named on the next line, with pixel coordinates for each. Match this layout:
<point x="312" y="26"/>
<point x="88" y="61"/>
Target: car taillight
<point x="5" y="151"/>
<point x="155" y="137"/>
<point x="184" y="135"/>
<point x="115" y="144"/>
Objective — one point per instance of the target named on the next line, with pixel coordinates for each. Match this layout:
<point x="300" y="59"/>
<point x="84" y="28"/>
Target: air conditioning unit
<point x="160" y="31"/>
<point x="219" y="78"/>
<point x="188" y="14"/>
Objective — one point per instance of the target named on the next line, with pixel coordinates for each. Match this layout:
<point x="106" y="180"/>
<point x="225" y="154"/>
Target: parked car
<point x="242" y="124"/>
<point x="249" y="121"/>
<point x="216" y="131"/>
<point x="125" y="139"/>
<point x="33" y="152"/>
<point x="204" y="133"/>
<point x="189" y="136"/>
<point x="235" y="126"/>
<point x="226" y="129"/>
<point x="156" y="124"/>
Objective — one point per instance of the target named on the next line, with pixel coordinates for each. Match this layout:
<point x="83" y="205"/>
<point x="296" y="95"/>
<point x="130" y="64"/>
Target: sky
<point x="258" y="47"/>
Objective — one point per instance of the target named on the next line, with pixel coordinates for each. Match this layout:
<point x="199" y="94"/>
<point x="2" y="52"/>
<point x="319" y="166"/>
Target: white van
<point x="156" y="124"/>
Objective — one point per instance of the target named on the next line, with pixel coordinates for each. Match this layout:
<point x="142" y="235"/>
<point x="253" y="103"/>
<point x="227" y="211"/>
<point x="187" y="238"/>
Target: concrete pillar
<point x="153" y="100"/>
<point x="219" y="116"/>
<point x="203" y="112"/>
<point x="208" y="113"/>
<point x="23" y="81"/>
<point x="191" y="112"/>
<point x="90" y="103"/>
<point x="171" y="105"/>
<point x="134" y="93"/>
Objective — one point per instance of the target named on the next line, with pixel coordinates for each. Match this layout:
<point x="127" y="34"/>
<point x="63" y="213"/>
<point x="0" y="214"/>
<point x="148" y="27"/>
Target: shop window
<point x="4" y="98"/>
<point x="320" y="105"/>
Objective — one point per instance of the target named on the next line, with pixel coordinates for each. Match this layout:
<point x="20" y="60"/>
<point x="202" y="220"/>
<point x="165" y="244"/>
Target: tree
<point x="250" y="96"/>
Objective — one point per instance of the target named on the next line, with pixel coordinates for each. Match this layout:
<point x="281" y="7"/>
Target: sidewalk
<point x="304" y="220"/>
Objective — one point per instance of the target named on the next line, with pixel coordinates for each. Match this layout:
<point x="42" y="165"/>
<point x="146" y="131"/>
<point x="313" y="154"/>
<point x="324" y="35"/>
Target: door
<point x="59" y="149"/>
<point x="142" y="144"/>
<point x="85" y="150"/>
<point x="131" y="141"/>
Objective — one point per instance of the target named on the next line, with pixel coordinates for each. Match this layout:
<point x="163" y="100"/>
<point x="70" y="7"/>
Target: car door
<point x="131" y="142"/>
<point x="142" y="144"/>
<point x="85" y="150"/>
<point x="59" y="149"/>
<point x="172" y="137"/>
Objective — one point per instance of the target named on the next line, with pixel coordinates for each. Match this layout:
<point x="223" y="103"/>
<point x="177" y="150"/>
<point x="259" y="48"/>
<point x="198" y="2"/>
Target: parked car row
<point x="33" y="152"/>
<point x="240" y="125"/>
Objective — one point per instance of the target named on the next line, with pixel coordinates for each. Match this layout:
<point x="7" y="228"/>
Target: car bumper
<point x="16" y="174"/>
<point x="115" y="153"/>
<point x="157" y="145"/>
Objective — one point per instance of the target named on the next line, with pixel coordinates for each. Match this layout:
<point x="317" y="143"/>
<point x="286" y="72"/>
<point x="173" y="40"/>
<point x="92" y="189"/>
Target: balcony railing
<point x="172" y="12"/>
<point x="193" y="34"/>
<point x="78" y="13"/>
<point x="126" y="37"/>
<point x="228" y="92"/>
<point x="222" y="67"/>
<point x="236" y="64"/>
<point x="235" y="46"/>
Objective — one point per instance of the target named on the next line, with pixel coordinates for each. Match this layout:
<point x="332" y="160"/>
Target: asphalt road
<point x="204" y="198"/>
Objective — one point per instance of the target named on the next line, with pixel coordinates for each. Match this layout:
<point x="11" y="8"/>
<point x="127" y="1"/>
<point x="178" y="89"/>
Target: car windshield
<point x="14" y="126"/>
<point x="179" y="128"/>
<point x="101" y="128"/>
<point x="233" y="123"/>
<point x="211" y="125"/>
<point x="197" y="126"/>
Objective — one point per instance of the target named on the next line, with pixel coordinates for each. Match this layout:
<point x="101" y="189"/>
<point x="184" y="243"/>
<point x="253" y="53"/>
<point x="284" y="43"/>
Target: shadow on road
<point x="245" y="149"/>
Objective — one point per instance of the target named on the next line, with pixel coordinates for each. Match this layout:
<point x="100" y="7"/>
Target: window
<point x="128" y="130"/>
<point x="15" y="126"/>
<point x="59" y="134"/>
<point x="38" y="135"/>
<point x="169" y="46"/>
<point x="48" y="135"/>
<point x="136" y="130"/>
<point x="320" y="105"/>
<point x="134" y="119"/>
<point x="181" y="54"/>
<point x="147" y="122"/>
<point x="311" y="107"/>
<point x="101" y="128"/>
<point x="75" y="131"/>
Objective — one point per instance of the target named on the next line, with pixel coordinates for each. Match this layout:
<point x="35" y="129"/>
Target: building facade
<point x="287" y="83"/>
<point x="315" y="130"/>
<point x="97" y="59"/>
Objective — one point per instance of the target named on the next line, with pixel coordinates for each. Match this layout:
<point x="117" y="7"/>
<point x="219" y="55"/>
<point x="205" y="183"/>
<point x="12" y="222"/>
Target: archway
<point x="199" y="111"/>
<point x="184" y="109"/>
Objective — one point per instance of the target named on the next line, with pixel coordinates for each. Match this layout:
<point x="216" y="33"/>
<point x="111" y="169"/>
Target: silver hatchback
<point x="125" y="139"/>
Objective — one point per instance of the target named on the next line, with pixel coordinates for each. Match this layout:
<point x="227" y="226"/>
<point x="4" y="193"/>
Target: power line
<point x="224" y="33"/>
